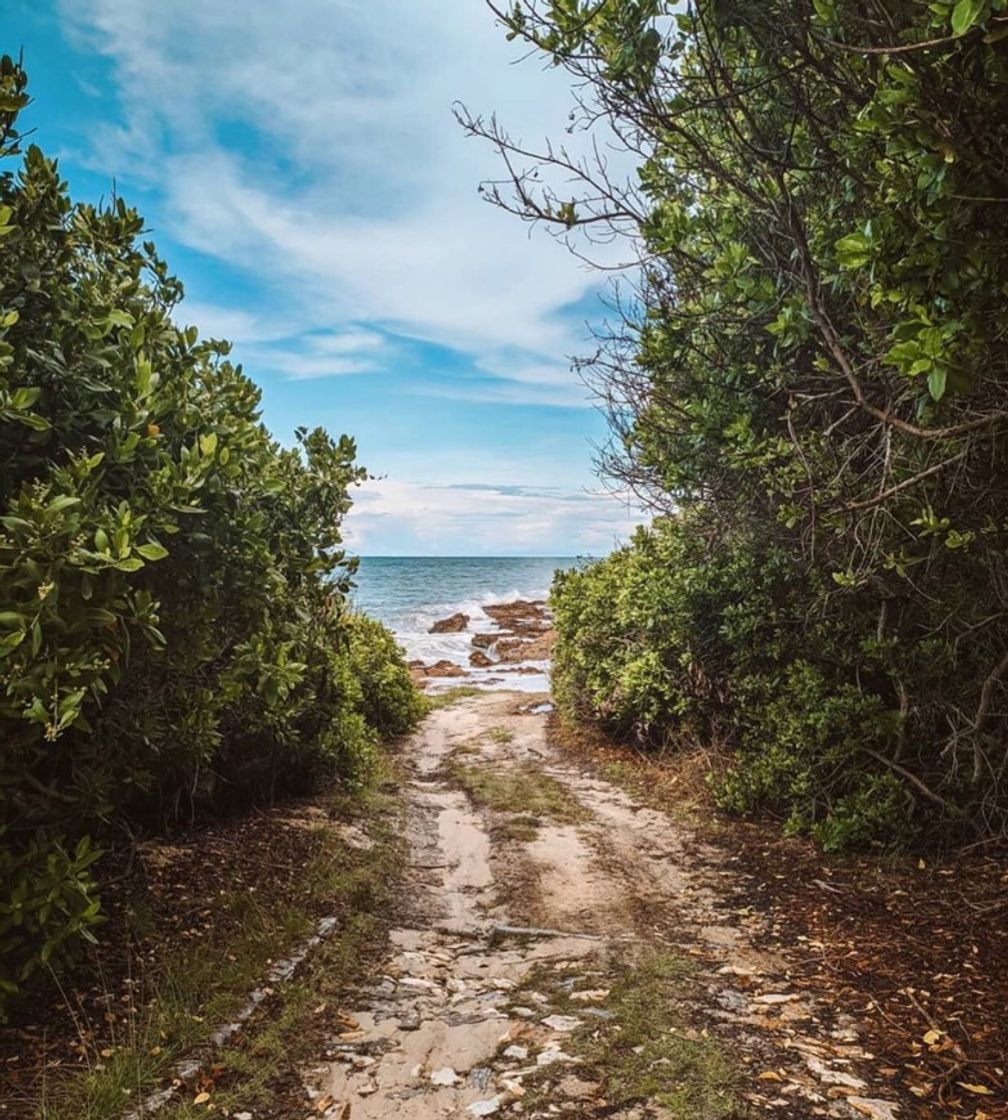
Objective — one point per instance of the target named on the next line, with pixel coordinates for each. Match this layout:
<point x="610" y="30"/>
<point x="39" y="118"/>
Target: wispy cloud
<point x="306" y="157"/>
<point x="313" y="141"/>
<point x="491" y="520"/>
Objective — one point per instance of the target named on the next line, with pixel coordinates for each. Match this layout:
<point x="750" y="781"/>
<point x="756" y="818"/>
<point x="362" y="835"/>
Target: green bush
<point x="174" y="632"/>
<point x="807" y="377"/>
<point x="669" y="640"/>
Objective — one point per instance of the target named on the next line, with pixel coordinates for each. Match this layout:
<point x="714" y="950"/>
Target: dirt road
<point x="565" y="950"/>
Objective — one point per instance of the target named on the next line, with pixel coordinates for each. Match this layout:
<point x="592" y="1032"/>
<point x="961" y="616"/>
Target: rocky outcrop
<point x="450" y="625"/>
<point x="479" y="660"/>
<point x="539" y="648"/>
<point x="422" y="673"/>
<point x="524" y="617"/>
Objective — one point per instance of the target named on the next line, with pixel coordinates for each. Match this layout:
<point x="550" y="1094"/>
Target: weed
<point x="525" y="791"/>
<point x="438" y="700"/>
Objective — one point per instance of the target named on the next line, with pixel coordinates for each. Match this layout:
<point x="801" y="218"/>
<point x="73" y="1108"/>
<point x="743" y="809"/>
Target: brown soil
<point x="166" y="896"/>
<point x="626" y="878"/>
<point x="905" y="946"/>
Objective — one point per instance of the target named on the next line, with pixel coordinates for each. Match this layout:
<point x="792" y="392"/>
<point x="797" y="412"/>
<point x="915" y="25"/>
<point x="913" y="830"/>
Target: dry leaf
<point x="970" y="1088"/>
<point x="770" y="1075"/>
<point x="201" y="1098"/>
<point x="323" y="1103"/>
<point x="932" y="1037"/>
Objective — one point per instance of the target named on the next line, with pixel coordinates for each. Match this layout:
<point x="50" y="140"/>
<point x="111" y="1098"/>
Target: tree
<point x="809" y="362"/>
<point x="174" y="632"/>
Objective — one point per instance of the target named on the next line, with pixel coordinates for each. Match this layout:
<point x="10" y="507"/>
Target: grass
<point x="523" y="828"/>
<point x="197" y="989"/>
<point x="500" y="735"/>
<point x="653" y="1054"/>
<point x="438" y="700"/>
<point x="525" y="791"/>
<point x="647" y="1052"/>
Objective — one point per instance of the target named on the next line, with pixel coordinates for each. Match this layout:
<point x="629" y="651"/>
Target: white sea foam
<point x="410" y="594"/>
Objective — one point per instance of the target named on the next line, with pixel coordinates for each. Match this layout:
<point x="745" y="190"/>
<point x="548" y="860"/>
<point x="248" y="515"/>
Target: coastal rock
<point x="450" y="625"/>
<point x="480" y="660"/>
<point x="484" y="641"/>
<point x="444" y="669"/>
<point x="539" y="648"/>
<point x="525" y="617"/>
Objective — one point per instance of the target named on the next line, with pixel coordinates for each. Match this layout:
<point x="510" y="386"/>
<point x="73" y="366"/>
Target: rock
<point x="833" y="1076"/>
<point x="484" y="641"/>
<point x="445" y="1076"/>
<point x="480" y="1077"/>
<point x="485" y="1108"/>
<point x="563" y="1023"/>
<point x="443" y="669"/>
<point x="732" y="1000"/>
<point x="539" y="648"/>
<point x="450" y="625"/>
<point x="551" y="1055"/>
<point x="521" y="617"/>
<point x="577" y="1089"/>
<point x="480" y="660"/>
<point x="519" y="1053"/>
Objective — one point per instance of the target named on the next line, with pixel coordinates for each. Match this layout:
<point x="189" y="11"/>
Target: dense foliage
<point x="174" y="631"/>
<point x="809" y="384"/>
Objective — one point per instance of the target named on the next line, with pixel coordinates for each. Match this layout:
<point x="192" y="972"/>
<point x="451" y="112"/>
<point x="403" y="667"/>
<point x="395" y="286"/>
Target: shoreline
<point x="507" y="648"/>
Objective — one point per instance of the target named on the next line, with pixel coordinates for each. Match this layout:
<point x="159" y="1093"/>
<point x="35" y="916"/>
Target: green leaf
<point x="854" y="250"/>
<point x="152" y="551"/>
<point x="936" y="382"/>
<point x="965" y="14"/>
<point x="25" y="397"/>
<point x="10" y="642"/>
<point x="208" y="444"/>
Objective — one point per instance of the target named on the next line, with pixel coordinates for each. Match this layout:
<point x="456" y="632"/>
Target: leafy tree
<point x="174" y="630"/>
<point x="808" y="375"/>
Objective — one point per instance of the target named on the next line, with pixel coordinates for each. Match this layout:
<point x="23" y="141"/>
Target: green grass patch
<point x="438" y="700"/>
<point x="522" y="828"/>
<point x="196" y="989"/>
<point x="648" y="1052"/>
<point x="499" y="735"/>
<point x="525" y="791"/>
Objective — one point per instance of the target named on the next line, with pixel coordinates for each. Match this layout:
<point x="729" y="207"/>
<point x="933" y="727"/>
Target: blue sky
<point x="299" y="167"/>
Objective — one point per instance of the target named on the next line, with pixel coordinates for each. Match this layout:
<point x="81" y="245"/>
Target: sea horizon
<point x="409" y="594"/>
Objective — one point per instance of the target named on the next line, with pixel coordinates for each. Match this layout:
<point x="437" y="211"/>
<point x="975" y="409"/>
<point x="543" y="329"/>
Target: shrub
<point x="174" y="633"/>
<point x="807" y="377"/>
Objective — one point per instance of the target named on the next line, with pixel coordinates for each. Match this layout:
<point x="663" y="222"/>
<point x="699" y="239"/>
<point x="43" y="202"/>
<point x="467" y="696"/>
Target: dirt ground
<point x="538" y="891"/>
<point x="576" y="934"/>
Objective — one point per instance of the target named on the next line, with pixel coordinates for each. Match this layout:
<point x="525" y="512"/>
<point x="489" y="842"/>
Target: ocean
<point x="410" y="593"/>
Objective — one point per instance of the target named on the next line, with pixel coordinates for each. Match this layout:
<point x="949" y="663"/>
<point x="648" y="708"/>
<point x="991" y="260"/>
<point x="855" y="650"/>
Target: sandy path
<point x="465" y="1021"/>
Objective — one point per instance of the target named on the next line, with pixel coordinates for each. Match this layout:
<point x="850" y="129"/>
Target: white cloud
<point x="312" y="144"/>
<point x="412" y="519"/>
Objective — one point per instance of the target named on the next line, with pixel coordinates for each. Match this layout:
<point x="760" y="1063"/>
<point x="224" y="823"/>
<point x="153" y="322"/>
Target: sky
<point x="299" y="166"/>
